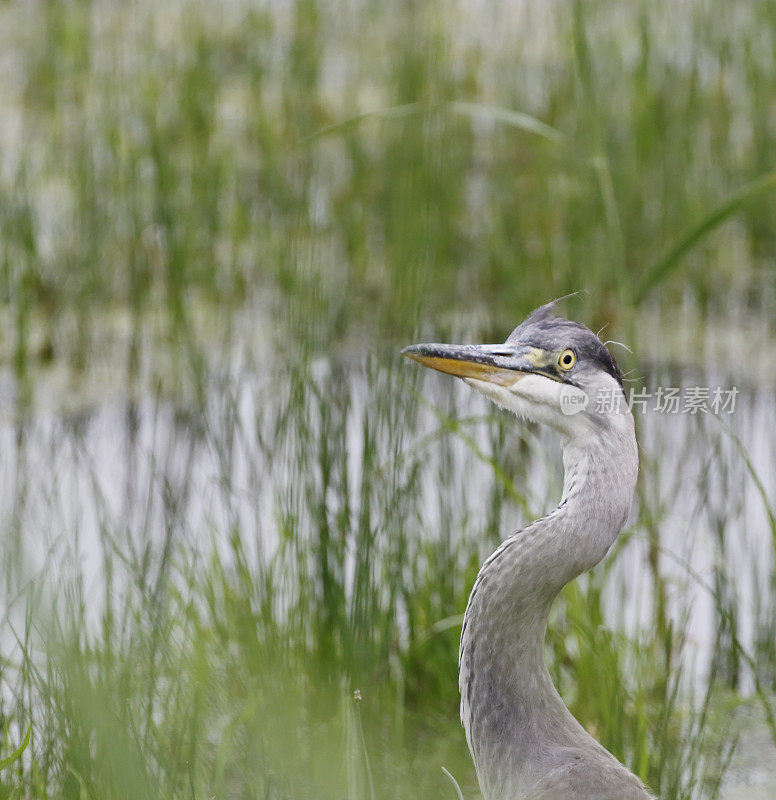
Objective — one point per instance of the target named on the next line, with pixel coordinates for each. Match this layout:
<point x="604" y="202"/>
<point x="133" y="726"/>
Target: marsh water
<point x="156" y="480"/>
<point x="185" y="476"/>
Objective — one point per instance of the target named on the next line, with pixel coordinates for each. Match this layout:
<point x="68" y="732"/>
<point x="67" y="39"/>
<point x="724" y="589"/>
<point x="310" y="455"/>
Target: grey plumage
<point x="545" y="330"/>
<point x="525" y="743"/>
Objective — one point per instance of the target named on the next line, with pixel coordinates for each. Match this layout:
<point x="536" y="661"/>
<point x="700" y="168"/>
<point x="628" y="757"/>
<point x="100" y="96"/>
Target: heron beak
<point x="501" y="364"/>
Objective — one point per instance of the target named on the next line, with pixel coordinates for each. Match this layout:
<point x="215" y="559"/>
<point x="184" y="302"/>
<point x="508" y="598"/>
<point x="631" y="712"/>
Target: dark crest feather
<point x="542" y="327"/>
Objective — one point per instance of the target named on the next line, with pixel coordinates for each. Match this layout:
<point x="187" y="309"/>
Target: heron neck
<point x="510" y="708"/>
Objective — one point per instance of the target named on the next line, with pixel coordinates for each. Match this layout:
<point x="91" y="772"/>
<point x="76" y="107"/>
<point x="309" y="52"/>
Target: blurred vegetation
<point x="353" y="167"/>
<point x="183" y="182"/>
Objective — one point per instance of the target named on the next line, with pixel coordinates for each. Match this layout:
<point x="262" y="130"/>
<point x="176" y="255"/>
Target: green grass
<point x="194" y="667"/>
<point x="200" y="206"/>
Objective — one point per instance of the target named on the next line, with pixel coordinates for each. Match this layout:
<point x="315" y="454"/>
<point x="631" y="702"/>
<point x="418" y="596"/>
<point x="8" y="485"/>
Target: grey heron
<point x="525" y="743"/>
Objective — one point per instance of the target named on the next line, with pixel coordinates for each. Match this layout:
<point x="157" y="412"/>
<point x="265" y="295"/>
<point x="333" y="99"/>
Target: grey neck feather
<point x="517" y="726"/>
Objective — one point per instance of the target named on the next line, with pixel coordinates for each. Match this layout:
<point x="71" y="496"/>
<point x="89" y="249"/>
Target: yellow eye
<point x="567" y="359"/>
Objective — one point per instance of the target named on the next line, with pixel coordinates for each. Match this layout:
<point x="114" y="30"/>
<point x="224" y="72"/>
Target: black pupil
<point x="567" y="359"/>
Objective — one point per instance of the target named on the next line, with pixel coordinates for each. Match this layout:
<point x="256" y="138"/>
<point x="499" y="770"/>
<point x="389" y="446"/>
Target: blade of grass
<point x="761" y="490"/>
<point x="759" y="689"/>
<point x="17" y="754"/>
<point x="505" y="116"/>
<point x="455" y="783"/>
<point x="716" y="216"/>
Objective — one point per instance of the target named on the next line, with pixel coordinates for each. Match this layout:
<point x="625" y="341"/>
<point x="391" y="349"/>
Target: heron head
<point x="550" y="370"/>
